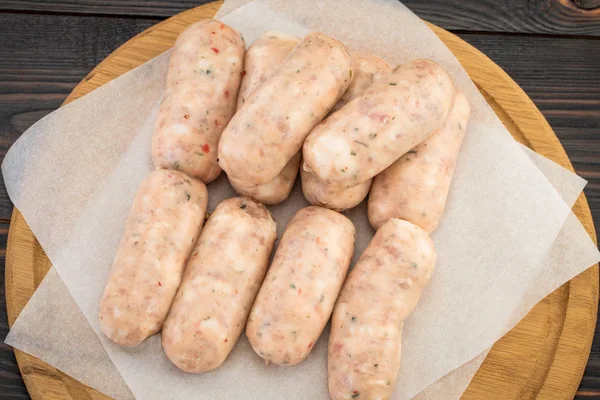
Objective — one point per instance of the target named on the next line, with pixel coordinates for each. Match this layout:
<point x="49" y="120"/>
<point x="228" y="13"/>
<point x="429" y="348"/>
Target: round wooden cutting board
<point x="543" y="357"/>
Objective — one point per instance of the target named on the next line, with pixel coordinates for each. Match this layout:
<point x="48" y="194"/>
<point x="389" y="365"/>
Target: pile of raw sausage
<point x="351" y="125"/>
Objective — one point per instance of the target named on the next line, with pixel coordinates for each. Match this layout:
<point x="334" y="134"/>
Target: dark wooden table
<point x="550" y="47"/>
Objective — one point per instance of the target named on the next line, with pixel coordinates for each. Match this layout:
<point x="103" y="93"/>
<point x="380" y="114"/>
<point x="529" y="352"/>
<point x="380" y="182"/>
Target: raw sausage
<point x="276" y="190"/>
<point x="269" y="128"/>
<point x="262" y="59"/>
<point x="369" y="68"/>
<point x="202" y="84"/>
<point x="416" y="186"/>
<point x="318" y="193"/>
<point x="380" y="292"/>
<point x="162" y="227"/>
<point x="297" y="297"/>
<point x="377" y="127"/>
<point x="219" y="285"/>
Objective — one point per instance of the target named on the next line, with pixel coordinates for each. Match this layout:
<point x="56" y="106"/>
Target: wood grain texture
<point x="567" y="17"/>
<point x="164" y="8"/>
<point x="537" y="359"/>
<point x="41" y="61"/>
<point x="564" y="17"/>
<point x="11" y="383"/>
<point x="587" y="4"/>
<point x="590" y="384"/>
<point x="562" y="77"/>
<point x="43" y="381"/>
<point x="27" y="95"/>
<point x="507" y="362"/>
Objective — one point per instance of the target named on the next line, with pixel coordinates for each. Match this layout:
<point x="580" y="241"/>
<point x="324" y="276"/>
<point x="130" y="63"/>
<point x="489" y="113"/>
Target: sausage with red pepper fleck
<point x="269" y="128"/>
<point x="162" y="227"/>
<point x="369" y="69"/>
<point x="219" y="285"/>
<point x="202" y="85"/>
<point x="416" y="186"/>
<point x="299" y="291"/>
<point x="377" y="127"/>
<point x="276" y="190"/>
<point x="380" y="292"/>
<point x="318" y="193"/>
<point x="262" y="59"/>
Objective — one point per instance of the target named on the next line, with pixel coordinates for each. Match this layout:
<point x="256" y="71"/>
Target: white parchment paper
<point x="73" y="175"/>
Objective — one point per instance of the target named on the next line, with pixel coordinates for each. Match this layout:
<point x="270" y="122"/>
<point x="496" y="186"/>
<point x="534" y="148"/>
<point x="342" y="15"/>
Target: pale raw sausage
<point x="202" y="84"/>
<point x="276" y="190"/>
<point x="377" y="127"/>
<point x="262" y="59"/>
<point x="416" y="186"/>
<point x="270" y="127"/>
<point x="318" y="193"/>
<point x="380" y="292"/>
<point x="369" y="68"/>
<point x="162" y="227"/>
<point x="220" y="283"/>
<point x="297" y="297"/>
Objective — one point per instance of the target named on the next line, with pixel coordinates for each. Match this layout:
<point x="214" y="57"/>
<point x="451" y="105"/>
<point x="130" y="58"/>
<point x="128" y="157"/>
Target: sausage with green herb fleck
<point x="380" y="292"/>
<point x="318" y="193"/>
<point x="369" y="69"/>
<point x="220" y="283"/>
<point x="162" y="227"/>
<point x="262" y="59"/>
<point x="377" y="127"/>
<point x="201" y="90"/>
<point x="276" y="190"/>
<point x="299" y="291"/>
<point x="270" y="127"/>
<point x="416" y="186"/>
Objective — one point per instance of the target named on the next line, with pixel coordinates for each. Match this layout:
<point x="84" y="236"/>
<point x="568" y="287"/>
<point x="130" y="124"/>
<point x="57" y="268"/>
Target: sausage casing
<point x="202" y="84"/>
<point x="162" y="227"/>
<point x="318" y="193"/>
<point x="270" y="127"/>
<point x="377" y="127"/>
<point x="263" y="57"/>
<point x="380" y="292"/>
<point x="369" y="68"/>
<point x="299" y="291"/>
<point x="415" y="187"/>
<point x="277" y="189"/>
<point x="220" y="283"/>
